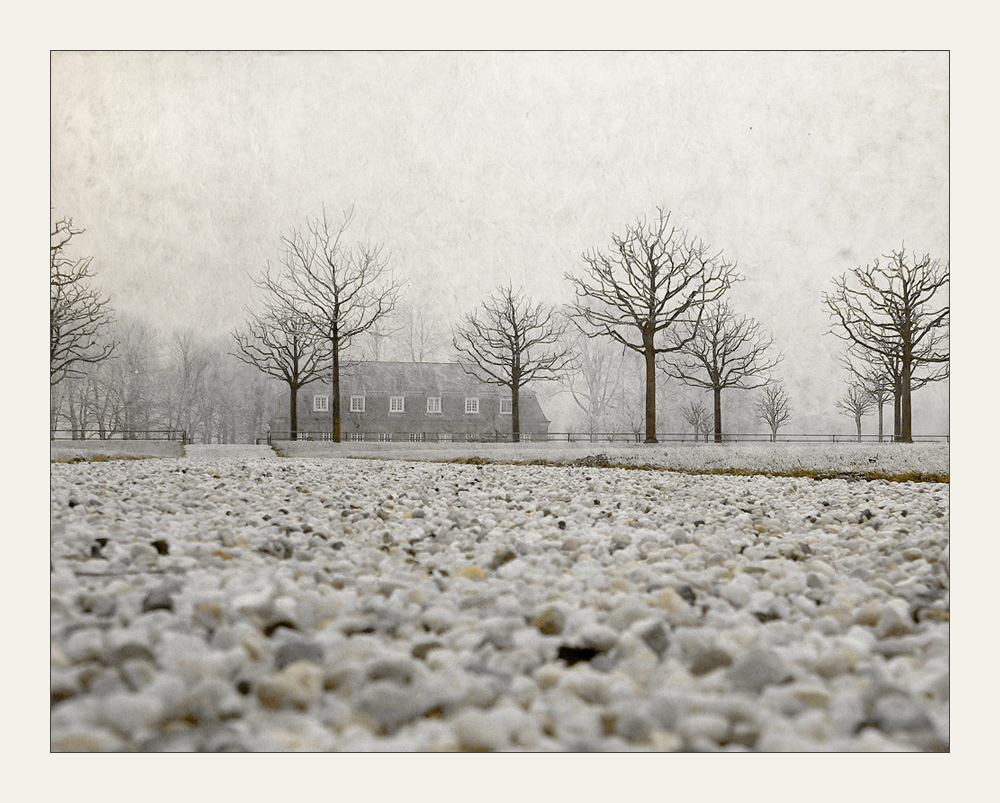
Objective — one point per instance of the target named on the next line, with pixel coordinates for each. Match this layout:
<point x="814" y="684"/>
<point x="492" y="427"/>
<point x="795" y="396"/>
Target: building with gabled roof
<point x="404" y="401"/>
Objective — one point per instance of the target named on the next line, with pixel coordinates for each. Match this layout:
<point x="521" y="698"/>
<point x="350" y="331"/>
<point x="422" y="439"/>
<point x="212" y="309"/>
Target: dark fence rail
<point x="132" y="435"/>
<point x="587" y="437"/>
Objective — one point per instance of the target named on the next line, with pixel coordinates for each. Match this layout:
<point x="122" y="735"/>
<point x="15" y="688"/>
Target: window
<point x="433" y="404"/>
<point x="444" y="436"/>
<point x="384" y="437"/>
<point x="321" y="404"/>
<point x="416" y="437"/>
<point x="357" y="404"/>
<point x="396" y="404"/>
<point x="506" y="406"/>
<point x="356" y="436"/>
<point x="472" y="405"/>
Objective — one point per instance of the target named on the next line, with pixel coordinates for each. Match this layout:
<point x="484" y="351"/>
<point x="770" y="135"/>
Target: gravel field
<point x="232" y="600"/>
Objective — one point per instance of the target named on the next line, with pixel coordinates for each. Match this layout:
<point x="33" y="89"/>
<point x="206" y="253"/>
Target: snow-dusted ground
<point x="833" y="458"/>
<point x="233" y="600"/>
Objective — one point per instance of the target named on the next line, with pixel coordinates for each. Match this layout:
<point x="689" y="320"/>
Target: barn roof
<point x="432" y="378"/>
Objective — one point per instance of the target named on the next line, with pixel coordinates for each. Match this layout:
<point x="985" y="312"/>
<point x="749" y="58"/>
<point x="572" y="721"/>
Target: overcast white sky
<point x="478" y="168"/>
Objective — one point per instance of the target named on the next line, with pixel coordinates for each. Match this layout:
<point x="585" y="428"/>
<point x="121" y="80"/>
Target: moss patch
<point x="600" y="461"/>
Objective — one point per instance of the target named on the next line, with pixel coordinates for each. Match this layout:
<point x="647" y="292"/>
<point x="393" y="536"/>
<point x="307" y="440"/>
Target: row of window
<point x="397" y="404"/>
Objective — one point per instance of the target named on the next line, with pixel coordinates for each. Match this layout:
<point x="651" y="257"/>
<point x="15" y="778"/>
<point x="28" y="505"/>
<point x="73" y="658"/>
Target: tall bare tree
<point x="652" y="277"/>
<point x="512" y="341"/>
<point x="78" y="314"/>
<point x="343" y="290"/>
<point x="773" y="407"/>
<point x="888" y="312"/>
<point x="281" y="342"/>
<point x="856" y="403"/>
<point x="720" y="351"/>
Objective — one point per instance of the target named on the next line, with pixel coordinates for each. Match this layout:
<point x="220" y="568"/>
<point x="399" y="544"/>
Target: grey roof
<point x="431" y="378"/>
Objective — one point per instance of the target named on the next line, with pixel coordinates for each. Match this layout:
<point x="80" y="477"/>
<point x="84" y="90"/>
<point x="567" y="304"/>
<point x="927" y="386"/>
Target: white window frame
<point x="354" y="404"/>
<point x="397" y="404"/>
<point x="472" y="405"/>
<point x="321" y="403"/>
<point x="385" y="437"/>
<point x="445" y="437"/>
<point x="506" y="407"/>
<point x="433" y="405"/>
<point x="416" y="437"/>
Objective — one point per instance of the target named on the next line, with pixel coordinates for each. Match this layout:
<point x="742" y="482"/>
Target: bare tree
<point x="696" y="415"/>
<point x="78" y="314"/>
<point x="284" y="344"/>
<point x="888" y="313"/>
<point x="423" y="335"/>
<point x="255" y="393"/>
<point x="343" y="291"/>
<point x="512" y="341"/>
<point x="720" y="351"/>
<point x="879" y="380"/>
<point x="855" y="402"/>
<point x="653" y="276"/>
<point x="774" y="408"/>
<point x="128" y="378"/>
<point x="188" y="362"/>
<point x="596" y="385"/>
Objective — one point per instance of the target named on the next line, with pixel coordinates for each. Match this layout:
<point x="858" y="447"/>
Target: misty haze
<point x="500" y="401"/>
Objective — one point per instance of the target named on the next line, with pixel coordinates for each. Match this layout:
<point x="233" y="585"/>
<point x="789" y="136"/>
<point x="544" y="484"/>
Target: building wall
<point x="377" y="420"/>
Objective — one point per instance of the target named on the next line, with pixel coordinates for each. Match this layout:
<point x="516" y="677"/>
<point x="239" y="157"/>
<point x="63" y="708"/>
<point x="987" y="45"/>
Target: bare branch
<point x="512" y="341"/>
<point x="652" y="278"/>
<point x="884" y="312"/>
<point x="79" y="317"/>
<point x="722" y="351"/>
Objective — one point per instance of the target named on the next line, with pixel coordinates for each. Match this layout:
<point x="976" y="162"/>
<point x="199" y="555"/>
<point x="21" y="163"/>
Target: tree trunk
<point x="335" y="388"/>
<point x="896" y="409"/>
<point x="857" y="420"/>
<point x="293" y="411"/>
<point x="72" y="418"/>
<point x="880" y="419"/>
<point x="650" y="354"/>
<point x="717" y="397"/>
<point x="515" y="413"/>
<point x="906" y="431"/>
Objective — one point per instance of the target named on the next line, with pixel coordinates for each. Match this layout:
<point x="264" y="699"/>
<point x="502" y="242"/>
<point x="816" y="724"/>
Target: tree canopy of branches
<point x="773" y="407"/>
<point x="887" y="313"/>
<point x="855" y="402"/>
<point x="78" y="314"/>
<point x="512" y="341"/>
<point x="345" y="291"/>
<point x="720" y="351"/>
<point x="284" y="344"/>
<point x="652" y="277"/>
<point x="696" y="416"/>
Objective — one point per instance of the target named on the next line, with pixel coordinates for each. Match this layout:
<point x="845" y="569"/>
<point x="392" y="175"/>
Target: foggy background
<point x="475" y="169"/>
